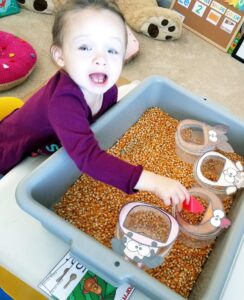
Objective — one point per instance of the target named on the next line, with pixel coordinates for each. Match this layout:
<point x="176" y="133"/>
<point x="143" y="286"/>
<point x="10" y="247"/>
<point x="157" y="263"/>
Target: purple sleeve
<point x="69" y="120"/>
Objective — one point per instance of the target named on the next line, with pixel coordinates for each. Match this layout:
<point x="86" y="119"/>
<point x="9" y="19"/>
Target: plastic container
<point x="193" y="138"/>
<point x="219" y="174"/>
<point x="43" y="187"/>
<point x="144" y="234"/>
<point x="212" y="222"/>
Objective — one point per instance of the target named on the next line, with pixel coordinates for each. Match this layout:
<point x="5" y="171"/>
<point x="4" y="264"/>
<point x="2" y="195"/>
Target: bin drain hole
<point x="117" y="264"/>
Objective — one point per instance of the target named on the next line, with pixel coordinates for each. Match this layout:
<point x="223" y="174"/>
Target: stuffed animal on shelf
<point x="145" y="16"/>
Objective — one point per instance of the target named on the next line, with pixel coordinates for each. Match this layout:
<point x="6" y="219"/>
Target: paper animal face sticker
<point x="231" y="176"/>
<point x="144" y="234"/>
<point x="218" y="219"/>
<point x="198" y="137"/>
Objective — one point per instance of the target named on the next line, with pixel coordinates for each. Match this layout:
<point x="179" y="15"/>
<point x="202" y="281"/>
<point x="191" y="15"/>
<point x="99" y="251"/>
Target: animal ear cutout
<point x="153" y="261"/>
<point x="224" y="146"/>
<point x="118" y="246"/>
<point x="231" y="190"/>
<point x="223" y="138"/>
<point x="239" y="166"/>
<point x="220" y="128"/>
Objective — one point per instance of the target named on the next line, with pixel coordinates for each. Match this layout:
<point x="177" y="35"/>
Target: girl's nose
<point x="100" y="60"/>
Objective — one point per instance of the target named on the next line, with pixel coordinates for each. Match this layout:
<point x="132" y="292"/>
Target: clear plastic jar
<point x="218" y="174"/>
<point x="144" y="234"/>
<point x="194" y="138"/>
<point x="200" y="230"/>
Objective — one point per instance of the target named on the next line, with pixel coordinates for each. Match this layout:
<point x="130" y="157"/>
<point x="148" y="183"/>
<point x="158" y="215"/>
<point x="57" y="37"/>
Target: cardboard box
<point x="38" y="192"/>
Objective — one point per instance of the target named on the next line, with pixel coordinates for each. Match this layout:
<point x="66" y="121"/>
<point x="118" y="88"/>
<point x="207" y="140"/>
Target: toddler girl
<point x="89" y="44"/>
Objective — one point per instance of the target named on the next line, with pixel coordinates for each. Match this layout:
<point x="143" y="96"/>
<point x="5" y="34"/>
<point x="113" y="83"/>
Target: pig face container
<point x="144" y="234"/>
<point x="218" y="173"/>
<point x="194" y="138"/>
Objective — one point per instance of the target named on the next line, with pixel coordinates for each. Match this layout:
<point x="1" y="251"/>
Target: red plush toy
<point x="17" y="60"/>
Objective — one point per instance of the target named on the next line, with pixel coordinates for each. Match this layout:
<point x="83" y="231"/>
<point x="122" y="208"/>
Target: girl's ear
<point x="57" y="55"/>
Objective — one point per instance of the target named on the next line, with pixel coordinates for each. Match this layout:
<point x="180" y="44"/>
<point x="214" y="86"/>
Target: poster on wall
<point x="217" y="21"/>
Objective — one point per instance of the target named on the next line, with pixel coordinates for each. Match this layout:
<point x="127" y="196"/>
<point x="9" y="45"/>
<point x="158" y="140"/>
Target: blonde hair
<point x="75" y="6"/>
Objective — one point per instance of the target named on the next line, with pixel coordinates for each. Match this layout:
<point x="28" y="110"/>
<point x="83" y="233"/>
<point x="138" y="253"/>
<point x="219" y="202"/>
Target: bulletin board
<point x="217" y="21"/>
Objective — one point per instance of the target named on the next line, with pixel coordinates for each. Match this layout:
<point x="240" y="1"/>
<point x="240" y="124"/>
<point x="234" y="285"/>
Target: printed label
<point x="232" y="15"/>
<point x="93" y="287"/>
<point x="228" y="25"/>
<point x="207" y="2"/>
<point x="63" y="278"/>
<point x="219" y="7"/>
<point x="70" y="280"/>
<point x="199" y="8"/>
<point x="184" y="3"/>
<point x="213" y="17"/>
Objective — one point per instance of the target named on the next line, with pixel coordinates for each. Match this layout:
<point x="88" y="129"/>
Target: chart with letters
<point x="217" y="21"/>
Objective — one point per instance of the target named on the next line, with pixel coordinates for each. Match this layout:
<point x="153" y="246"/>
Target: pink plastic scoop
<point x="194" y="206"/>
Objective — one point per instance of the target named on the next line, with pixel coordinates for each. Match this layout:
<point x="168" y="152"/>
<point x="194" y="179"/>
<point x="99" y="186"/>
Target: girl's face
<point x="93" y="49"/>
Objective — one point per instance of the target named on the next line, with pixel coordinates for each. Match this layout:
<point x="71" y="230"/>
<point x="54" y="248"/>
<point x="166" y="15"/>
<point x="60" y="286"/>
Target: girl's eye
<point x="112" y="51"/>
<point x="84" y="48"/>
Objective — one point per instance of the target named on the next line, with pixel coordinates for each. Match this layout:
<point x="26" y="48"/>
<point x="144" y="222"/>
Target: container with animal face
<point x="144" y="234"/>
<point x="194" y="138"/>
<point x="219" y="174"/>
<point x="200" y="230"/>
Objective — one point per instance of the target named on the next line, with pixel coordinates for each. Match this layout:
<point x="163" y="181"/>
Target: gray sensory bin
<point x="42" y="188"/>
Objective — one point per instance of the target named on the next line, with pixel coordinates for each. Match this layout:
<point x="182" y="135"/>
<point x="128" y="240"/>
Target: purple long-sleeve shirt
<point x="59" y="110"/>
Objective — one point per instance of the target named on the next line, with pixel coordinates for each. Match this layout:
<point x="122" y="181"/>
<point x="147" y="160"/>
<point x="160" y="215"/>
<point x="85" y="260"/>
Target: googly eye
<point x="212" y="136"/>
<point x="215" y="222"/>
<point x="216" y="219"/>
<point x="132" y="246"/>
<point x="229" y="175"/>
<point x="218" y="213"/>
<point x="144" y="250"/>
<point x="233" y="172"/>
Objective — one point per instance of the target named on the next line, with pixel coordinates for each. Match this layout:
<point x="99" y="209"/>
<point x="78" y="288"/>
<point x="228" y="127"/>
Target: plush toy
<point x="17" y="60"/>
<point x="42" y="6"/>
<point x="8" y="7"/>
<point x="147" y="17"/>
<point x="8" y="105"/>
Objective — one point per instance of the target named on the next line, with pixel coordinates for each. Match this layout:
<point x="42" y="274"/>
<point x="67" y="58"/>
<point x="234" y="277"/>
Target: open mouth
<point x="98" y="78"/>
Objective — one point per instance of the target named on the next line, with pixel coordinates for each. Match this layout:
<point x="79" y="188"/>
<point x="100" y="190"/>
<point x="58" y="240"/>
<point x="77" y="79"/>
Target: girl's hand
<point x="169" y="190"/>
